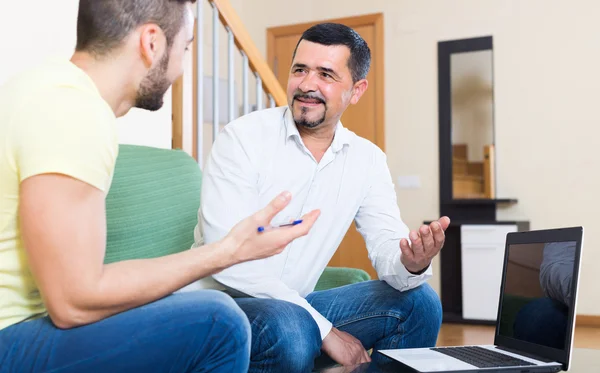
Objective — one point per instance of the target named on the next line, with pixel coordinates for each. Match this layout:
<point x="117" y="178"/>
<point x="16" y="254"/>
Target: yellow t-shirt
<point x="52" y="120"/>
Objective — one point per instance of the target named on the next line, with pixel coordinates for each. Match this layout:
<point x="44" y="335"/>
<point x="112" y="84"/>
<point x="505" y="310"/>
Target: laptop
<point x="536" y="312"/>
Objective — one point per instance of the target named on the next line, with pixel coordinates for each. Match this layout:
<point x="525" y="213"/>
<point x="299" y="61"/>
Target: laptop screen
<point x="538" y="293"/>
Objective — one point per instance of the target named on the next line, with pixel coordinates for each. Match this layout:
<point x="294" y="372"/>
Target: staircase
<point x="472" y="179"/>
<point x="238" y="44"/>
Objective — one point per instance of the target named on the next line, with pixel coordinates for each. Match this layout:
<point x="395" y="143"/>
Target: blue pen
<point x="295" y="222"/>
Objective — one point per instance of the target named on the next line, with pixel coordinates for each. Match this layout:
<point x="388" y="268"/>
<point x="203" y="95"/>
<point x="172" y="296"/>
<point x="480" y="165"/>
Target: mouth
<point x="309" y="101"/>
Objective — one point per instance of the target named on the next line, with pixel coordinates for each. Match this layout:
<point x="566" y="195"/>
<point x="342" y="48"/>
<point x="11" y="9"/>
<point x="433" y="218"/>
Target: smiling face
<point x="320" y="85"/>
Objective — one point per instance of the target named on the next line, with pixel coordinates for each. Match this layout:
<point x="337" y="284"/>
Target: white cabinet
<point x="482" y="252"/>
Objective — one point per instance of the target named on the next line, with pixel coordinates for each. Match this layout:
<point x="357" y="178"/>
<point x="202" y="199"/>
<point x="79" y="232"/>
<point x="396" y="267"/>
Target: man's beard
<point x="150" y="95"/>
<point x="303" y="120"/>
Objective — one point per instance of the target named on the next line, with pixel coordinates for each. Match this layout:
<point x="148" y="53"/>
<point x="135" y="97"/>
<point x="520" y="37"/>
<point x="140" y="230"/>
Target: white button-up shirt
<point x="258" y="156"/>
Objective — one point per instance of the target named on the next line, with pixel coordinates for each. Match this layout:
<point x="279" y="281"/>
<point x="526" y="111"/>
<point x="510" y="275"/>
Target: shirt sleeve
<point x="556" y="271"/>
<point x="67" y="132"/>
<point x="230" y="194"/>
<point x="378" y="221"/>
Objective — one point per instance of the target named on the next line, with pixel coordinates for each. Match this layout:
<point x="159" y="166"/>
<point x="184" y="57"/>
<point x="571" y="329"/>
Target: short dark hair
<point x="103" y="24"/>
<point x="359" y="62"/>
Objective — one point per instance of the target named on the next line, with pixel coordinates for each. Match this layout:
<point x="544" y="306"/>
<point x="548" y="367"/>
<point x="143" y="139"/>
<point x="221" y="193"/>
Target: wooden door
<point x="365" y="119"/>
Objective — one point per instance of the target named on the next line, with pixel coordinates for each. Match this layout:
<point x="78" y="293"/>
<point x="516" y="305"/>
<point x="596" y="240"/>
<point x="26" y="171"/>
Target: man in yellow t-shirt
<point x="61" y="308"/>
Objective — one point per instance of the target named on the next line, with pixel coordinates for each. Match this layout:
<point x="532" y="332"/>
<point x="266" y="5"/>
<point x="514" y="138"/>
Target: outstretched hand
<point x="425" y="244"/>
<point x="247" y="243"/>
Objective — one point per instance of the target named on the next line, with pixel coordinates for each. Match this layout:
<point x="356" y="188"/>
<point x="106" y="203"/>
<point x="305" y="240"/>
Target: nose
<point x="308" y="83"/>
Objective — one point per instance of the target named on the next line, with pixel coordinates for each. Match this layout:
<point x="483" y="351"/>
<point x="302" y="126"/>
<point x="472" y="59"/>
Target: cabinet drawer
<point x="481" y="278"/>
<point x="485" y="234"/>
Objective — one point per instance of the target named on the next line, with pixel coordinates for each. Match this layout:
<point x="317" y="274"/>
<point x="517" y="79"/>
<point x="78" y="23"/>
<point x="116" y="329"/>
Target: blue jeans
<point x="285" y="338"/>
<point x="201" y="331"/>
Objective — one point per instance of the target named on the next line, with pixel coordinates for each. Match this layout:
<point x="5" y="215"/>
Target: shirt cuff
<point x="412" y="280"/>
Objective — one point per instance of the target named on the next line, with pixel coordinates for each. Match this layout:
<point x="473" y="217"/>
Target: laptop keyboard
<point x="481" y="357"/>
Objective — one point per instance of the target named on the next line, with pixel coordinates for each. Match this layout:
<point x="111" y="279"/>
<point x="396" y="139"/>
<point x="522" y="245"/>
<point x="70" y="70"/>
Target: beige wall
<point x="547" y="74"/>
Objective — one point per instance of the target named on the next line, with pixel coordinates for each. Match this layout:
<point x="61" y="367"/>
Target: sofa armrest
<point x="334" y="277"/>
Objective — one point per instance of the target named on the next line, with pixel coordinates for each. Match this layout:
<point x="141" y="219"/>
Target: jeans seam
<point x="370" y="316"/>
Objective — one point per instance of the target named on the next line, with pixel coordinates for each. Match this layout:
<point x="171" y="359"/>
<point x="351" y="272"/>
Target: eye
<point x="325" y="75"/>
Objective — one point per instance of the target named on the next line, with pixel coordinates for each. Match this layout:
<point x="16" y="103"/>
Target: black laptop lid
<point x="539" y="292"/>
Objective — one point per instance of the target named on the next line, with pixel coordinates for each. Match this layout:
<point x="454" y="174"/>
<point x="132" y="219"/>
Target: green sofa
<point x="152" y="209"/>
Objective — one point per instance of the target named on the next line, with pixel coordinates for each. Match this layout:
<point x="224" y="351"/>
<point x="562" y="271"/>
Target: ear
<point x="153" y="43"/>
<point x="357" y="91"/>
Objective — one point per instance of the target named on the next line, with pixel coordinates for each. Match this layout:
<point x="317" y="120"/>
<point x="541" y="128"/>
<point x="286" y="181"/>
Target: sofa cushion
<point x="334" y="277"/>
<point x="153" y="202"/>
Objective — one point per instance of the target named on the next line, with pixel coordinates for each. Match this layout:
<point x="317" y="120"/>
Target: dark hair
<point x="337" y="34"/>
<point x="103" y="24"/>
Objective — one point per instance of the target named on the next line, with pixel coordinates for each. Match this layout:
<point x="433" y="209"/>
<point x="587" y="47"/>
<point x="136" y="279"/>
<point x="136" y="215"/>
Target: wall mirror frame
<point x="466" y="129"/>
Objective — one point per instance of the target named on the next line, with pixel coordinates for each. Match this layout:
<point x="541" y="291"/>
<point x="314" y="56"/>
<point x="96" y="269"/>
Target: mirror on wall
<point x="472" y="131"/>
<point x="466" y="77"/>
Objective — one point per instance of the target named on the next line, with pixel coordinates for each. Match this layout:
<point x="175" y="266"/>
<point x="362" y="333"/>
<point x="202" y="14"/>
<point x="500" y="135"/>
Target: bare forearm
<point x="63" y="226"/>
<point x="129" y="284"/>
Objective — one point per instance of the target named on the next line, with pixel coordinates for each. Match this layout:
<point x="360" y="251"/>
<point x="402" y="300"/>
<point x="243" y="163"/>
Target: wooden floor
<point x="457" y="334"/>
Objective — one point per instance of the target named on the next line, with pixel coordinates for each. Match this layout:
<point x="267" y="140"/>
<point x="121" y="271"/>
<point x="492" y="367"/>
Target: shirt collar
<point x="342" y="135"/>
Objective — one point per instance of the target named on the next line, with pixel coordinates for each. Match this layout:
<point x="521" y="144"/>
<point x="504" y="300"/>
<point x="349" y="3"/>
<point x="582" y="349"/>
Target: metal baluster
<point x="259" y="93"/>
<point x="245" y="69"/>
<point x="215" y="113"/>
<point x="230" y="78"/>
<point x="271" y="101"/>
<point x="199" y="82"/>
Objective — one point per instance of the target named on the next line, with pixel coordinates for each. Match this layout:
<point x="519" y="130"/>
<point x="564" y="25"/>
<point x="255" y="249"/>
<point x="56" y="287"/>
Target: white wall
<point x="547" y="58"/>
<point x="33" y="30"/>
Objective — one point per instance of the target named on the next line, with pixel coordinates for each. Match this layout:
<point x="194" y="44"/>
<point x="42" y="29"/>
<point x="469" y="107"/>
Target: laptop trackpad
<point x="426" y="360"/>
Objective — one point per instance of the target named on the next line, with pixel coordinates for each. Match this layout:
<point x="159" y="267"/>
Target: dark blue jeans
<point x="203" y="331"/>
<point x="285" y="338"/>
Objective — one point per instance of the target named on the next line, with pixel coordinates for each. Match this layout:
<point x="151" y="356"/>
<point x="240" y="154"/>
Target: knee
<point x="299" y="341"/>
<point x="290" y="336"/>
<point x="218" y="330"/>
<point x="425" y="316"/>
<point x="219" y="313"/>
<point x="427" y="305"/>
<point x="229" y="319"/>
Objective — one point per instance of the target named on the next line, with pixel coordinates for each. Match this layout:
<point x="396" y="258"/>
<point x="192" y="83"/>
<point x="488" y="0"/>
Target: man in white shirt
<point x="305" y="149"/>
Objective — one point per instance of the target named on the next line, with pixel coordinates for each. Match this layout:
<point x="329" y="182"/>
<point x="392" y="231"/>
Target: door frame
<point x="375" y="19"/>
